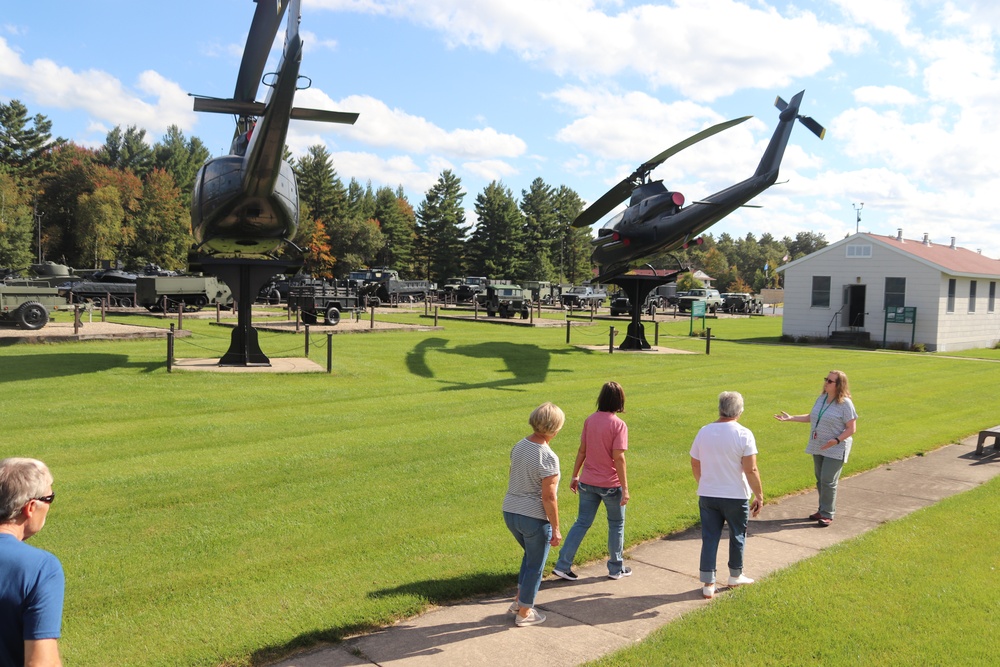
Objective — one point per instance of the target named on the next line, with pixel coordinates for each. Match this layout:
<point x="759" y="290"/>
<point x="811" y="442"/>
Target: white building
<point x="848" y="286"/>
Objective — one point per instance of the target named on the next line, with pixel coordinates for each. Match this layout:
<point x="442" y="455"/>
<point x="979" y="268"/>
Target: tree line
<point x="128" y="201"/>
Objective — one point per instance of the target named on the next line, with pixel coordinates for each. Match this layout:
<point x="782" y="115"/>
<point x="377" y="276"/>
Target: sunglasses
<point x="47" y="499"/>
<point x="828" y="381"/>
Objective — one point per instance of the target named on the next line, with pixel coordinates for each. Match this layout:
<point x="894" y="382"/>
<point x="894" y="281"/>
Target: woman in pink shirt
<point x="602" y="480"/>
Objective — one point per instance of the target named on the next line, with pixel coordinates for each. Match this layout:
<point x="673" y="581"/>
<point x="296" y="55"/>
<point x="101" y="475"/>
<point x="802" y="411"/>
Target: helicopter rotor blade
<point x="780" y="104"/>
<point x="655" y="162"/>
<point x="266" y="21"/>
<point x="813" y="126"/>
<point x="623" y="189"/>
<point x="603" y="206"/>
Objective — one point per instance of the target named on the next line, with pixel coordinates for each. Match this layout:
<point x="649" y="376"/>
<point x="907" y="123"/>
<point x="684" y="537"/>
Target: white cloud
<point x="381" y="126"/>
<point x="155" y="104"/>
<point x="891" y="95"/>
<point x="667" y="45"/>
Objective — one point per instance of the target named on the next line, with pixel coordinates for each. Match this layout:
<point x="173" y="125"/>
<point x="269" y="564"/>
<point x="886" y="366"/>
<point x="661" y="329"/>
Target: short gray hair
<point x="20" y="481"/>
<point x="730" y="404"/>
<point x="547" y="419"/>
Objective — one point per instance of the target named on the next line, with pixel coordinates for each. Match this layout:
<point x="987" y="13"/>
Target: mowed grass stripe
<point x="221" y="515"/>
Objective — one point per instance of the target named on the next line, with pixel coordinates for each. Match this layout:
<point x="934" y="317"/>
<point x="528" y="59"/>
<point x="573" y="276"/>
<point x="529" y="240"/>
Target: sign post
<point x="901" y="315"/>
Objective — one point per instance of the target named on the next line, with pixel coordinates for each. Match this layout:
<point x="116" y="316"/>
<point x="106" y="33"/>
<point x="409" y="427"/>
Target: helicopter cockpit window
<point x="613" y="222"/>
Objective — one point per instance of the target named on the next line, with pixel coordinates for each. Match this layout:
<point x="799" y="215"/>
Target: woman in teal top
<point x="832" y="423"/>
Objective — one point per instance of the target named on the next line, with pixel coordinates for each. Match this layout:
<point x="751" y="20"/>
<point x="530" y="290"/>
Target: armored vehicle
<point x="188" y="292"/>
<point x="28" y="307"/>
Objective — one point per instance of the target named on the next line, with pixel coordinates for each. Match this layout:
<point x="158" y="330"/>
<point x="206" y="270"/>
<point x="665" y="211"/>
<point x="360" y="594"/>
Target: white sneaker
<point x="740" y="580"/>
<point x="533" y="618"/>
<point x="708" y="592"/>
<point x="514" y="607"/>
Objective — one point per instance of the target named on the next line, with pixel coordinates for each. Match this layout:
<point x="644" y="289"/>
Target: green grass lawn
<point x="919" y="591"/>
<point x="208" y="519"/>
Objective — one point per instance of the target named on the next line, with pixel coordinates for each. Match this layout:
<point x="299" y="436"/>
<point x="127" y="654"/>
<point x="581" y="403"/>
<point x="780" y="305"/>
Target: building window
<point x="951" y="296"/>
<point x="895" y="292"/>
<point x="821" y="292"/>
<point x="972" y="296"/>
<point x="858" y="251"/>
<point x="993" y="297"/>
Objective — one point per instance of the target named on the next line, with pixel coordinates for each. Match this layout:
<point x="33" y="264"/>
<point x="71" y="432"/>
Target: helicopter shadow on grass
<point x="526" y="364"/>
<point x="44" y="366"/>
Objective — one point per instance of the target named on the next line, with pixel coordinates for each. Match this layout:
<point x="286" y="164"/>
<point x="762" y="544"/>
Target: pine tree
<point x="571" y="257"/>
<point x="23" y="149"/>
<point x="16" y="224"/>
<point x="496" y="247"/>
<point x="441" y="229"/>
<point x="319" y="186"/>
<point x="181" y="158"/>
<point x="540" y="226"/>
<point x="127" y="151"/>
<point x="396" y="220"/>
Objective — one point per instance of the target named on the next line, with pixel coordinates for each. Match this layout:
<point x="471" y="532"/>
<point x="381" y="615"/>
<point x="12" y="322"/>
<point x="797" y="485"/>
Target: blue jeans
<point x="591" y="498"/>
<point x="827" y="475"/>
<point x="715" y="512"/>
<point x="534" y="536"/>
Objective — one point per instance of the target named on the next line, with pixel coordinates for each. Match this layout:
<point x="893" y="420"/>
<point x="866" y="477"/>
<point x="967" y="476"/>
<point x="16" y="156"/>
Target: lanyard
<point x="826" y="406"/>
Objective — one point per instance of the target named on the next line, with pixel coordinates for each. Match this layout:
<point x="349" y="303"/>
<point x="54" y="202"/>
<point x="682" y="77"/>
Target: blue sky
<point x="576" y="92"/>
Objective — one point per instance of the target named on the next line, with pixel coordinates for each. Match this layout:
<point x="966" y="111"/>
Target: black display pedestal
<point x="636" y="284"/>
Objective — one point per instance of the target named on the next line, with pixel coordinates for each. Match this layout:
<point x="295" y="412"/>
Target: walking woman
<point x="530" y="508"/>
<point x="833" y="422"/>
<point x="603" y="480"/>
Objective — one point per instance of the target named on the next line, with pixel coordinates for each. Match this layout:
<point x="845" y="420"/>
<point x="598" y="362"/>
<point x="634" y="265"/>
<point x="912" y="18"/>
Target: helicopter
<point x="656" y="218"/>
<point x="245" y="205"/>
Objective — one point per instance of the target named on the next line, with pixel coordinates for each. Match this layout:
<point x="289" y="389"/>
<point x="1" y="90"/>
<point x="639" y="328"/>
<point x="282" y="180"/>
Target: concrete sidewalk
<point x="595" y="615"/>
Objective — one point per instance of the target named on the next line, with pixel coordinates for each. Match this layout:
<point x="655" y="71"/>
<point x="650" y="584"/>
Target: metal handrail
<point x="835" y="317"/>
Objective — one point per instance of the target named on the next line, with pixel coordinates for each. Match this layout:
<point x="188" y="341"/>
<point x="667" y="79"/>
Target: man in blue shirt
<point x="32" y="584"/>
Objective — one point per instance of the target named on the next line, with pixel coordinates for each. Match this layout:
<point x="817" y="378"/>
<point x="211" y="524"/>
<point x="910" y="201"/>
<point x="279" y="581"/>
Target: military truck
<point x="742" y="302"/>
<point x="323" y="300"/>
<point x="28" y="306"/>
<point x="505" y="300"/>
<point x="711" y="297"/>
<point x="471" y="287"/>
<point x="189" y="292"/>
<point x="391" y="289"/>
<point x="584" y="296"/>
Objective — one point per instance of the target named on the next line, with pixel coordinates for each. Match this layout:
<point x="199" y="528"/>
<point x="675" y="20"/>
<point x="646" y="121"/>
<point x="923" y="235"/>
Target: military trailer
<point x="505" y="300"/>
<point x="393" y="290"/>
<point x="326" y="301"/>
<point x="188" y="292"/>
<point x="28" y="307"/>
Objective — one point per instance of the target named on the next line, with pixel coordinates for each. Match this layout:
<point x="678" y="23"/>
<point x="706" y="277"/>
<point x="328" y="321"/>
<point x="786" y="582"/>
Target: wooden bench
<point x="982" y="441"/>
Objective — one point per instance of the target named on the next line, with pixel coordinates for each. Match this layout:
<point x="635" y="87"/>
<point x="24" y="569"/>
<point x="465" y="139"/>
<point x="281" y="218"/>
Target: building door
<point x="854" y="298"/>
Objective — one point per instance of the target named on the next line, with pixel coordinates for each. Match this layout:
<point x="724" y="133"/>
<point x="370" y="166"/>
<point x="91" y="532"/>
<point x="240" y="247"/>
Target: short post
<point x="435" y="315"/>
<point x="180" y="316"/>
<point x="427" y="306"/>
<point x="170" y="349"/>
<point x="77" y="322"/>
<point x="708" y="340"/>
<point x="611" y="340"/>
<point x="307" y="340"/>
<point x="164" y="304"/>
<point x="593" y="309"/>
<point x="329" y="353"/>
<point x="656" y="333"/>
<point x="297" y="320"/>
<point x="475" y="308"/>
<point x="104" y="309"/>
<point x="531" y="316"/>
<point x="218" y="312"/>
<point x="372" y="319"/>
<point x="567" y="331"/>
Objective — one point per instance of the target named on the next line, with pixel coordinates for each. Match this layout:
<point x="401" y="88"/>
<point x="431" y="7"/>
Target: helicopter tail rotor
<point x="810" y="124"/>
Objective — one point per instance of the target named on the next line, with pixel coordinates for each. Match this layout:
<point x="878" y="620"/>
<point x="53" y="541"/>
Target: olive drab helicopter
<point x="656" y="219"/>
<point x="245" y="205"/>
